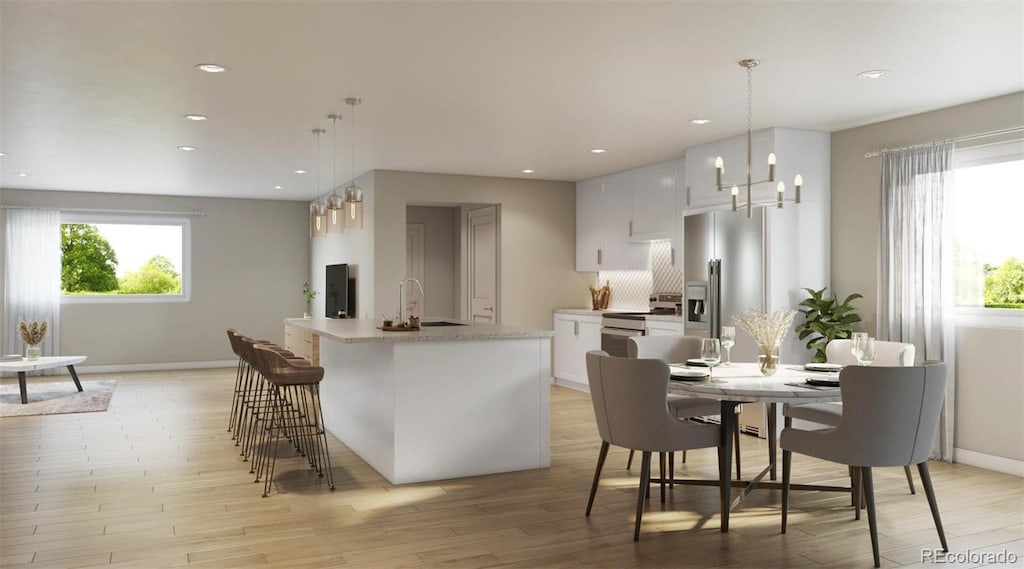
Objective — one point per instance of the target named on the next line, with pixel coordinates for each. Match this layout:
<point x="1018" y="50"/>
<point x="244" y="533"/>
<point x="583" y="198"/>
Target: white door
<point x="414" y="267"/>
<point x="482" y="288"/>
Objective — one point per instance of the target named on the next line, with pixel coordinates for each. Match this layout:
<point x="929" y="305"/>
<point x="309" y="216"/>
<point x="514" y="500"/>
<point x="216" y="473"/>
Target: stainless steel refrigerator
<point x="724" y="260"/>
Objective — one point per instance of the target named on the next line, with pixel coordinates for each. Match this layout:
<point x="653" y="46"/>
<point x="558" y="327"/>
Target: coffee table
<point x="47" y="362"/>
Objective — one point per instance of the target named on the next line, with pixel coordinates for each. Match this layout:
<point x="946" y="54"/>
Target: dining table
<point x="736" y="383"/>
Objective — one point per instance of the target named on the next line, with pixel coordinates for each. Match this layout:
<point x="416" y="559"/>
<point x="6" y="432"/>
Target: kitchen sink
<point x="440" y="323"/>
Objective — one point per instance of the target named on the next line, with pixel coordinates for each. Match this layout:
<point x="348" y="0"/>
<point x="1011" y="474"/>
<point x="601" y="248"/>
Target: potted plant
<point x="826" y="319"/>
<point x="310" y="294"/>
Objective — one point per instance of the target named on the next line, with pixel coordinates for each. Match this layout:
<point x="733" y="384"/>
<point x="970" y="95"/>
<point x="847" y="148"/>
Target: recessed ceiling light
<point x="20" y="174"/>
<point x="528" y="171"/>
<point x="196" y="117"/>
<point x="211" y="68"/>
<point x="873" y="73"/>
<point x="2" y="154"/>
<point x="700" y="121"/>
<point x="278" y="187"/>
<point x="598" y="150"/>
<point x="187" y="148"/>
<point x="300" y="171"/>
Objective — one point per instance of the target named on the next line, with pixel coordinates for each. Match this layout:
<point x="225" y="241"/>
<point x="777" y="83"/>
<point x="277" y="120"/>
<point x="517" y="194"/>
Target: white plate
<point x="682" y="372"/>
<point x="822" y="367"/>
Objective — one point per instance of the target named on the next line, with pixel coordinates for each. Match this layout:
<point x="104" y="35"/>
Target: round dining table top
<point x="743" y="382"/>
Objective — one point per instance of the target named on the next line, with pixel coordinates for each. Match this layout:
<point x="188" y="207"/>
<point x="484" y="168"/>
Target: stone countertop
<point x="359" y="330"/>
<point x="589" y="312"/>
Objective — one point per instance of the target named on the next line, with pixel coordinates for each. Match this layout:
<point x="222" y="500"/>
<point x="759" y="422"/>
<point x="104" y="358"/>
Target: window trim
<point x="969" y="157"/>
<point x="137" y="219"/>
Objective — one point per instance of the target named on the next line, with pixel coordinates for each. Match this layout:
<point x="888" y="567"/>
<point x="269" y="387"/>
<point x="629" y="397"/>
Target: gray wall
<point x="249" y="260"/>
<point x="440" y="250"/>
<point x="988" y="396"/>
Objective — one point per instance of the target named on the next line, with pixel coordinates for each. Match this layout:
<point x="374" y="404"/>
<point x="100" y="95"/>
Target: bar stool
<point x="295" y="412"/>
<point x="255" y="396"/>
<point x="240" y="376"/>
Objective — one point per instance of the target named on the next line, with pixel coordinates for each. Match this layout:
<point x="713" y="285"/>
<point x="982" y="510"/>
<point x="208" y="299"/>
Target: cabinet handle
<point x="631" y="228"/>
<point x="673" y="257"/>
<point x="598" y="256"/>
<point x="687" y="196"/>
<point x="575" y="328"/>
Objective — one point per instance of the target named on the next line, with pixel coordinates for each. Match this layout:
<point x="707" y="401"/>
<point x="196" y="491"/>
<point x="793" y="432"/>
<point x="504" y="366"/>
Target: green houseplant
<point x="310" y="294"/>
<point x="826" y="319"/>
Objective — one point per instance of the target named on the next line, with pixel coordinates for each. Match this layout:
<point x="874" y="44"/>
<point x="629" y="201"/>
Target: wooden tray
<point x="398" y="328"/>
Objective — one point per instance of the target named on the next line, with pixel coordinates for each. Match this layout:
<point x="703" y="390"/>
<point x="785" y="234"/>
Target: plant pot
<point x="32" y="352"/>
<point x="307" y="315"/>
<point x="768" y="360"/>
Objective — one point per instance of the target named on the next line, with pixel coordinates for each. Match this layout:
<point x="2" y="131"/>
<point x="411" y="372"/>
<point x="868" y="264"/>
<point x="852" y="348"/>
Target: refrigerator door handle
<point x="714" y="307"/>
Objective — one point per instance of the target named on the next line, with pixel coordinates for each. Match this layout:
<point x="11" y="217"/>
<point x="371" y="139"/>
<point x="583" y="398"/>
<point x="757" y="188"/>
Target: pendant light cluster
<point x="333" y="213"/>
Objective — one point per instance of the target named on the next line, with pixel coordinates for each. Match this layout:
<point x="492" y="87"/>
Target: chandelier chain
<point x="750" y="96"/>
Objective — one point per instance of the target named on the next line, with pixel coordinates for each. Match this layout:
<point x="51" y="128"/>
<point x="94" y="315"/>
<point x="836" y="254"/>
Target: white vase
<point x="32" y="351"/>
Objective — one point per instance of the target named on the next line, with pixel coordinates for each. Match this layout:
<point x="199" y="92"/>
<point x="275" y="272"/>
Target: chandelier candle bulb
<point x="782" y="192"/>
<point x="735" y="197"/>
<point x="771" y="167"/>
<point x="719" y="170"/>
<point x="797" y="182"/>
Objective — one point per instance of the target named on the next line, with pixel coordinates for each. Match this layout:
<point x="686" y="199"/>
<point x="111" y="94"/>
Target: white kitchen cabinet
<point x="653" y="192"/>
<point x="603" y="207"/>
<point x="664" y="328"/>
<point x="575" y="335"/>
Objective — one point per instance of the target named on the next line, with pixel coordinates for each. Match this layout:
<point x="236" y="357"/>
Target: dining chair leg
<point x="597" y="474"/>
<point x="869" y="494"/>
<point x="684" y="457"/>
<point x="910" y="480"/>
<point x="645" y="482"/>
<point x="787" y="461"/>
<point x="629" y="461"/>
<point x="773" y="422"/>
<point x="671" y="469"/>
<point x="661" y="475"/>
<point x="736" y="441"/>
<point x="858" y="491"/>
<point x="929" y="491"/>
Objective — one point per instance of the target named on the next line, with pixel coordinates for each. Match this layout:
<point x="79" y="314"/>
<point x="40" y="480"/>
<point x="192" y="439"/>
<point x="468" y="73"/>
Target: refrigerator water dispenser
<point x="697" y="306"/>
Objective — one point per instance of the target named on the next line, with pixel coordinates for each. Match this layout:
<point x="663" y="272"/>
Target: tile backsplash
<point x="631" y="290"/>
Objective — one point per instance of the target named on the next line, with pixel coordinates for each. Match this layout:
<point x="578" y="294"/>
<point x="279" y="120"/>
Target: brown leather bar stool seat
<point x="294" y="412"/>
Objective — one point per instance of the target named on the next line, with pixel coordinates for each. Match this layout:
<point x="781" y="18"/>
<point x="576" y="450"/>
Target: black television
<point x="340" y="297"/>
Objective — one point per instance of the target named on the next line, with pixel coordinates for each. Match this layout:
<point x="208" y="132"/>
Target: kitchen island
<point x="441" y="402"/>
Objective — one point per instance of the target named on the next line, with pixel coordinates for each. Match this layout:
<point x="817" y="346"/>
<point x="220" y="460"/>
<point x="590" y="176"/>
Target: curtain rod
<point x="958" y="139"/>
<point x="120" y="211"/>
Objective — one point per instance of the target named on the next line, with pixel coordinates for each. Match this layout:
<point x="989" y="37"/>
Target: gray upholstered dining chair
<point x="892" y="415"/>
<point x="629" y="397"/>
<point x="677" y="349"/>
<point x="839" y="352"/>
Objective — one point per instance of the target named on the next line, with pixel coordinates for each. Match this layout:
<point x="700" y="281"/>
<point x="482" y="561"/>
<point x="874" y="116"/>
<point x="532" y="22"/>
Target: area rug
<point x="57" y="397"/>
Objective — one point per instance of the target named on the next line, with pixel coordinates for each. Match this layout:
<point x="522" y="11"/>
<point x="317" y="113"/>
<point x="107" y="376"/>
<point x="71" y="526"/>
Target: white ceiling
<point x="92" y="94"/>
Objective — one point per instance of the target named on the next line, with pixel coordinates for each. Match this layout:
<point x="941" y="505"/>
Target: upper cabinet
<point x="653" y="192"/>
<point x="602" y="227"/>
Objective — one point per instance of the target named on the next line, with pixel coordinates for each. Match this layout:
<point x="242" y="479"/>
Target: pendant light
<point x="317" y="209"/>
<point x="335" y="205"/>
<point x="353" y="193"/>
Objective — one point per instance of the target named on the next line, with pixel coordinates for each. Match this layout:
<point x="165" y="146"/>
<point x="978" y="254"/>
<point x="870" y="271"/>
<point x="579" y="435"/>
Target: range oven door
<point x="613" y="340"/>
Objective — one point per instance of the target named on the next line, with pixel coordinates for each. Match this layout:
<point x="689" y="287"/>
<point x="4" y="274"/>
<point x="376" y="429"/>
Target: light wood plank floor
<point x="157" y="482"/>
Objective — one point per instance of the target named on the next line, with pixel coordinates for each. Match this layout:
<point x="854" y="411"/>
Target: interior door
<point x="482" y="270"/>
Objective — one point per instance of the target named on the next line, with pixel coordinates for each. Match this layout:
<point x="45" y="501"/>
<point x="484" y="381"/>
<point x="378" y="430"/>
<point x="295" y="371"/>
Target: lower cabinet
<point x="662" y="328"/>
<point x="575" y="335"/>
<point x="302" y="343"/>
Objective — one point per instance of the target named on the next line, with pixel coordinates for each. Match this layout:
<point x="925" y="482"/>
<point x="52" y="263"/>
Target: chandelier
<point x="335" y="205"/>
<point x="798" y="182"/>
<point x="353" y="193"/>
<point x="317" y="208"/>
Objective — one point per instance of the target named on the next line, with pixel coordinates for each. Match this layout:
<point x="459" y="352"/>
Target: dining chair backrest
<point x="890" y="414"/>
<point x="886" y="353"/>
<point x="629" y="397"/>
<point x="671" y="349"/>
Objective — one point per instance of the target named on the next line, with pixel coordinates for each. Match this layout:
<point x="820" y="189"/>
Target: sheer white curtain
<point x="915" y="296"/>
<point x="32" y="292"/>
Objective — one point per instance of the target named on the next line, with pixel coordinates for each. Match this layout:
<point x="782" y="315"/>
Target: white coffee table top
<point x="45" y="362"/>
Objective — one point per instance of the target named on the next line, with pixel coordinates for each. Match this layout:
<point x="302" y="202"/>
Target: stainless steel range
<point x="618" y="327"/>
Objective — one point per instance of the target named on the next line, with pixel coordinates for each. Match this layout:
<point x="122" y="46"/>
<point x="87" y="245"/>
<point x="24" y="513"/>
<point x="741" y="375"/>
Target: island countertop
<point x="361" y="330"/>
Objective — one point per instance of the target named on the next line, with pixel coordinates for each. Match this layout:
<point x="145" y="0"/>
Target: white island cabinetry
<point x="442" y="402"/>
<point x="576" y="333"/>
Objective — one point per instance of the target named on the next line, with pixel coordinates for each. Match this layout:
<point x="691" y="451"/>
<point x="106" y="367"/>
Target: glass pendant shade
<point x="317" y="219"/>
<point x="354" y="207"/>
<point x="335" y="214"/>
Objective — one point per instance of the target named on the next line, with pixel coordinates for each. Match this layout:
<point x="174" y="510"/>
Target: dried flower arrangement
<point x="767" y="330"/>
<point x="32" y="332"/>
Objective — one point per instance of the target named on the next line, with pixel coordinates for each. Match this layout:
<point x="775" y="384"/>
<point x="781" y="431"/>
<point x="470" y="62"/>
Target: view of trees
<point x="1004" y="285"/>
<point x="89" y="266"/>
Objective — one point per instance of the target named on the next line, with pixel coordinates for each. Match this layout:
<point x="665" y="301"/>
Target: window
<point x="116" y="258"/>
<point x="989" y="248"/>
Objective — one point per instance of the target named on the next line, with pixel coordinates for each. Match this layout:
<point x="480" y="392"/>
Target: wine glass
<point x="728" y="341"/>
<point x="867" y="351"/>
<point x="855" y="347"/>
<point x="710" y="353"/>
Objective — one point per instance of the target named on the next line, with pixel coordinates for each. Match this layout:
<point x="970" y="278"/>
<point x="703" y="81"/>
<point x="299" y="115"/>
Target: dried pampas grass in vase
<point x="32" y="333"/>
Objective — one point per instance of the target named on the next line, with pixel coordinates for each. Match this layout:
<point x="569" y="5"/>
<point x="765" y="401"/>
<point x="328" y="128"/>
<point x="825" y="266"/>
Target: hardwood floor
<point x="156" y="481"/>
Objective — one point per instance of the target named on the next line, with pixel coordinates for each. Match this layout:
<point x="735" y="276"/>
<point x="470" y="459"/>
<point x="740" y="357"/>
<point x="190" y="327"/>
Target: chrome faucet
<point x="401" y="297"/>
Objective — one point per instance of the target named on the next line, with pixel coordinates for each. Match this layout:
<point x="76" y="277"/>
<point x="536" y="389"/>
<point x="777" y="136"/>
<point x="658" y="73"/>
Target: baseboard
<point x="169" y="366"/>
<point x="572" y="384"/>
<point x="989" y="462"/>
